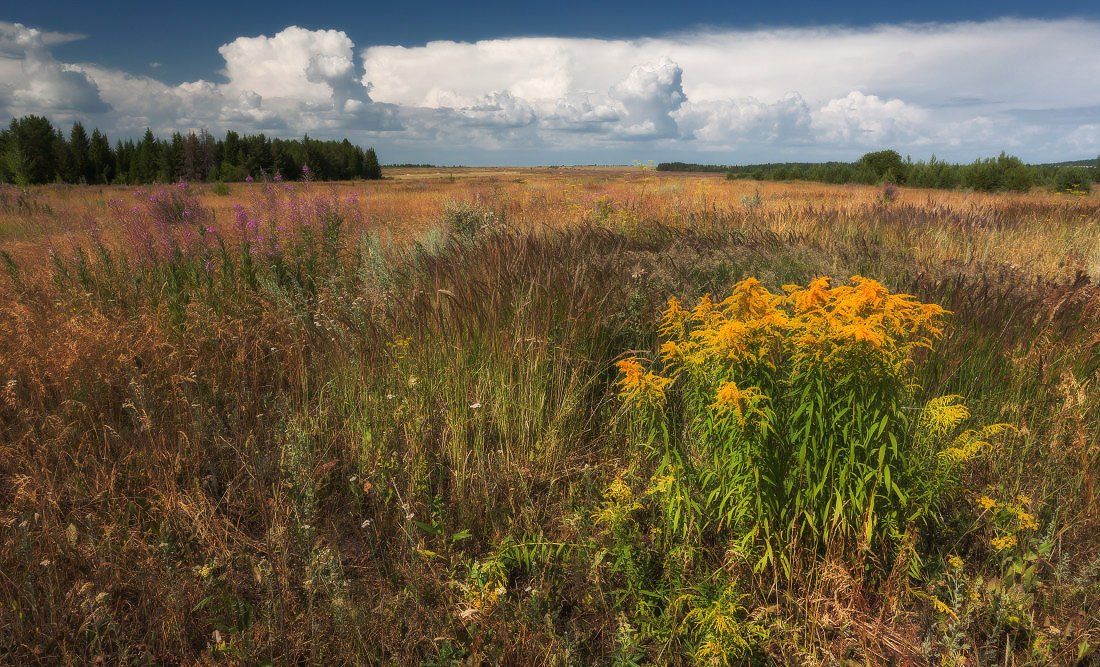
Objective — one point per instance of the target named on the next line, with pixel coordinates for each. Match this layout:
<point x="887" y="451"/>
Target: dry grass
<point x="339" y="450"/>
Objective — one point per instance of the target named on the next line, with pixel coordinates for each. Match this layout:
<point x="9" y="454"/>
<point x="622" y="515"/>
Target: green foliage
<point x="883" y="166"/>
<point x="1073" y="180"/>
<point x="371" y="169"/>
<point x="784" y="423"/>
<point x="1004" y="172"/>
<point x="999" y="174"/>
<point x="33" y="152"/>
<point x="29" y="151"/>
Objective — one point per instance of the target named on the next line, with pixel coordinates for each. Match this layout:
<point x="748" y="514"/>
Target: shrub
<point x="469" y="220"/>
<point x="883" y="166"/>
<point x="1004" y="172"/>
<point x="1072" y="180"/>
<point x="785" y="418"/>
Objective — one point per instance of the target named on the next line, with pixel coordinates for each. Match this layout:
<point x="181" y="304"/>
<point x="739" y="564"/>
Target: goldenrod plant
<point x="788" y="419"/>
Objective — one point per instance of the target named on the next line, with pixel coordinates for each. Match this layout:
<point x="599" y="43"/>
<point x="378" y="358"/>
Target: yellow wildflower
<point x="941" y="415"/>
<point x="1025" y="520"/>
<point x="987" y="503"/>
<point x="638" y="385"/>
<point x="673" y="319"/>
<point x="1003" y="542"/>
<point x="814" y="296"/>
<point x="862" y="331"/>
<point x="741" y="402"/>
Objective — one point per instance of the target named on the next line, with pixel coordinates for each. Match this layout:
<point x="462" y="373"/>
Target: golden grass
<point x="1049" y="234"/>
<point x="401" y="442"/>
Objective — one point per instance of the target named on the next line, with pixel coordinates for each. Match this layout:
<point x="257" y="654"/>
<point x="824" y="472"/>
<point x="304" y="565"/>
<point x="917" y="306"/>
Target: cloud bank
<point x="958" y="90"/>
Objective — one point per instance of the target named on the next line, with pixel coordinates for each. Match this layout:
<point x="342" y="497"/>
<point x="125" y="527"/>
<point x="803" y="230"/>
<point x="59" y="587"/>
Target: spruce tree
<point x="101" y="159"/>
<point x="81" y="151"/>
<point x="30" y="154"/>
<point x="371" y="169"/>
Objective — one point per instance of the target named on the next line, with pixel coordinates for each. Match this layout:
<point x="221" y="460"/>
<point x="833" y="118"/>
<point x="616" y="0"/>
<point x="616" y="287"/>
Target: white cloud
<point x="824" y="92"/>
<point x="958" y="90"/>
<point x="864" y="120"/>
<point x="648" y="96"/>
<point x="32" y="81"/>
<point x="310" y="66"/>
<point x="732" y="122"/>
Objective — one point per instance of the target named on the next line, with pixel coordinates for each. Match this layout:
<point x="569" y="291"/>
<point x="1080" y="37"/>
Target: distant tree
<point x="1072" y="179"/>
<point x="190" y="159"/>
<point x="81" y="150"/>
<point x="209" y="155"/>
<point x="30" y="153"/>
<point x="143" y="167"/>
<point x="166" y="158"/>
<point x="63" y="157"/>
<point x="371" y="169"/>
<point x="883" y="166"/>
<point x="1004" y="172"/>
<point x="101" y="159"/>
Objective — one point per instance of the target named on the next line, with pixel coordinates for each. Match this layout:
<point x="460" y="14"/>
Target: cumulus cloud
<point x="649" y="95"/>
<point x="809" y="93"/>
<point x="732" y="122"/>
<point x="32" y="81"/>
<point x="299" y="65"/>
<point x="293" y="82"/>
<point x="864" y="120"/>
<point x="959" y="90"/>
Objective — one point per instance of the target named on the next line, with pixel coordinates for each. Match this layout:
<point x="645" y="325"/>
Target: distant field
<point x="548" y="416"/>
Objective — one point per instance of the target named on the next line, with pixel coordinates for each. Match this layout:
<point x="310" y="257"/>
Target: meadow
<point x="548" y="416"/>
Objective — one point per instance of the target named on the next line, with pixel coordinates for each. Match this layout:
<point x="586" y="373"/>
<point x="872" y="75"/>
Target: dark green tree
<point x="883" y="166"/>
<point x="371" y="169"/>
<point x="81" y="150"/>
<point x="101" y="158"/>
<point x="30" y="154"/>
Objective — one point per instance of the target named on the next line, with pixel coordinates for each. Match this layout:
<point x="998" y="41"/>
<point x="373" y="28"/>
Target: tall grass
<point x="277" y="433"/>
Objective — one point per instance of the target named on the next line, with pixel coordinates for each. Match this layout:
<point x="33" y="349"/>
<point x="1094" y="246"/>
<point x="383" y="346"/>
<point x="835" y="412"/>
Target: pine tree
<point x="143" y="169"/>
<point x="81" y="150"/>
<point x="63" y="157"/>
<point x="101" y="159"/>
<point x="371" y="169"/>
<point x="30" y="154"/>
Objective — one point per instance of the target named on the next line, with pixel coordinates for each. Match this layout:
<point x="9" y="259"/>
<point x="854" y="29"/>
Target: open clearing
<point x="452" y="416"/>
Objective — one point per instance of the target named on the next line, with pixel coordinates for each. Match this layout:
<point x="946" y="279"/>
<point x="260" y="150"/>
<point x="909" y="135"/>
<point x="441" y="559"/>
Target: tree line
<point x="1001" y="173"/>
<point x="33" y="151"/>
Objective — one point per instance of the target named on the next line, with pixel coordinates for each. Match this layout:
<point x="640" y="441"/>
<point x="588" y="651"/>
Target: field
<point x="452" y="417"/>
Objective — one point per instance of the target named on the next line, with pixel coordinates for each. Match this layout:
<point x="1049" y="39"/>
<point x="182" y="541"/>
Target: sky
<point x="575" y="83"/>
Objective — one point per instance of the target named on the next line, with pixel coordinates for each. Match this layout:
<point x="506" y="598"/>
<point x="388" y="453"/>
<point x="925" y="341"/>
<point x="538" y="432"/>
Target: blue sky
<point x="573" y="82"/>
<point x="184" y="39"/>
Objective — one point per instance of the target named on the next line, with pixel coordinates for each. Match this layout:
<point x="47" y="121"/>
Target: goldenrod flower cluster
<point x="1009" y="519"/>
<point x="639" y="386"/>
<point x="814" y="324"/>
